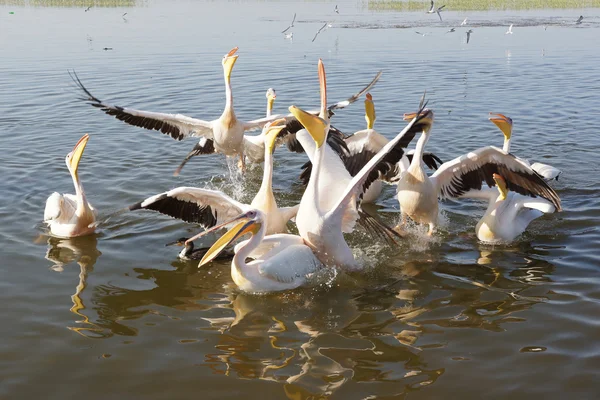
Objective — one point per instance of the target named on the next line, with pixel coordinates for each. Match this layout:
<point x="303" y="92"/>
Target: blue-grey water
<point x="117" y="314"/>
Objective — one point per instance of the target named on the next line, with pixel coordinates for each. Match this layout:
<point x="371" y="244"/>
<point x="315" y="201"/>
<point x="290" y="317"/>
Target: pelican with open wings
<point x="508" y="213"/>
<point x="70" y="215"/>
<point x="329" y="205"/>
<point x="462" y="177"/>
<point x="211" y="207"/>
<point x="505" y="124"/>
<point x="225" y="132"/>
<point x="279" y="262"/>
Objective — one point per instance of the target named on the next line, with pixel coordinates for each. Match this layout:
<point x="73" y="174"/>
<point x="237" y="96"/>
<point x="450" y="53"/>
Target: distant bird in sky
<point x="337" y="10"/>
<point x="421" y="33"/>
<point x="107" y="48"/>
<point x="464" y="22"/>
<point x="321" y="29"/>
<point x="123" y="16"/>
<point x="436" y="10"/>
<point x="469" y="35"/>
<point x="451" y="30"/>
<point x="579" y="20"/>
<point x="88" y="9"/>
<point x="291" y="25"/>
<point x="509" y="31"/>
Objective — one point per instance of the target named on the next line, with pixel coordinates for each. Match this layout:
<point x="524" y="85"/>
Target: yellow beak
<point x="229" y="61"/>
<point x="77" y="153"/>
<point x="501" y="183"/>
<point x="369" y="111"/>
<point x="238" y="230"/>
<point x="503" y="123"/>
<point x="323" y="89"/>
<point x="316" y="126"/>
<point x="271" y="133"/>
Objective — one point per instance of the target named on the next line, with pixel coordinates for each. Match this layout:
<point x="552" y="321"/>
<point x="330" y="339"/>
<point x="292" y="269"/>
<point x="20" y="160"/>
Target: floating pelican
<point x="438" y="10"/>
<point x="211" y="207"/>
<point x="508" y="213"/>
<point x="190" y="253"/>
<point x="280" y="262"/>
<point x="418" y="194"/>
<point x="225" y="132"/>
<point x="509" y="31"/>
<point x="329" y="203"/>
<point x="505" y="125"/>
<point x="363" y="145"/>
<point x="71" y="215"/>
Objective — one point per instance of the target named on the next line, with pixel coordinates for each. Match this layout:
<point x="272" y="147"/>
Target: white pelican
<point x="508" y="213"/>
<point x="255" y="144"/>
<point x="190" y="253"/>
<point x="282" y="262"/>
<point x="363" y="145"/>
<point x="71" y="215"/>
<point x="226" y="132"/>
<point x="438" y="10"/>
<point x="329" y="204"/>
<point x="509" y="31"/>
<point x="505" y="124"/>
<point x="211" y="207"/>
<point x="418" y="194"/>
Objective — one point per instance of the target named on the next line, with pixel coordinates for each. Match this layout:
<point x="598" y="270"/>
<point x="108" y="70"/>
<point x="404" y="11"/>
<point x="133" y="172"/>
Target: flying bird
<point x="509" y="31"/>
<point x="579" y="20"/>
<point x="88" y="9"/>
<point x="291" y="25"/>
<point x="469" y="35"/>
<point x="451" y="30"/>
<point x="421" y="33"/>
<point x="464" y="22"/>
<point x="321" y="29"/>
<point x="436" y="10"/>
<point x="337" y="10"/>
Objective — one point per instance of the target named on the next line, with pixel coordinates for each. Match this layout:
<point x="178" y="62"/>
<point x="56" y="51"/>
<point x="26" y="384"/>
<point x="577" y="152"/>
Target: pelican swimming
<point x="280" y="262"/>
<point x="71" y="215"/>
<point x="505" y="124"/>
<point x="225" y="132"/>
<point x="190" y="253"/>
<point x="363" y="145"/>
<point x="211" y="207"/>
<point x="418" y="194"/>
<point x="329" y="204"/>
<point x="508" y="213"/>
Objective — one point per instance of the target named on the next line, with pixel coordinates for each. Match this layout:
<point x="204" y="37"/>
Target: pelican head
<point x="271" y="130"/>
<point x="425" y="120"/>
<point x="316" y="126"/>
<point x="503" y="122"/>
<point x="369" y="111"/>
<point x="248" y="222"/>
<point x="228" y="62"/>
<point x="74" y="156"/>
<point x="501" y="183"/>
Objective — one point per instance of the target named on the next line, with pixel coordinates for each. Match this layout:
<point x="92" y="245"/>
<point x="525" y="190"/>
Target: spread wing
<point x="203" y="206"/>
<point x="177" y="126"/>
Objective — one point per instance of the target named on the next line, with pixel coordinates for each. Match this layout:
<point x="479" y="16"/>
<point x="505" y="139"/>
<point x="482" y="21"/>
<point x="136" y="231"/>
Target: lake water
<point x="117" y="314"/>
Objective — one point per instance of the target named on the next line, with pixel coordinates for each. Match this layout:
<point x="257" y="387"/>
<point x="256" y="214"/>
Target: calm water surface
<point x="118" y="314"/>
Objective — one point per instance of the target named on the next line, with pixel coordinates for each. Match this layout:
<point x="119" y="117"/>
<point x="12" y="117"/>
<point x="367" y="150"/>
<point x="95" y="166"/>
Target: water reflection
<point x="82" y="251"/>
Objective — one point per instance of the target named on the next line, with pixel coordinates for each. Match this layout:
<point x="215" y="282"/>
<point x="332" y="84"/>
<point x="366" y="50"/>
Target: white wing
<point x="177" y="126"/>
<point x="203" y="206"/>
<point x="294" y="262"/>
<point x="547" y="171"/>
<point x="470" y="171"/>
<point x="53" y="207"/>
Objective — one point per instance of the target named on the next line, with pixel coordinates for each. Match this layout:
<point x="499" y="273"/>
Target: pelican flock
<point x="342" y="174"/>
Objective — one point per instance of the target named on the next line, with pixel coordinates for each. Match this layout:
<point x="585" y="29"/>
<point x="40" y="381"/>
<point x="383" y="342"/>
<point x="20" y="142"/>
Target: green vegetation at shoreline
<point x="479" y="5"/>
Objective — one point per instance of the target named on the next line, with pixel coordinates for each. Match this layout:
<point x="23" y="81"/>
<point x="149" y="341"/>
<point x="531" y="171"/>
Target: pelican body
<point x="508" y="214"/>
<point x="279" y="262"/>
<point x="70" y="215"/>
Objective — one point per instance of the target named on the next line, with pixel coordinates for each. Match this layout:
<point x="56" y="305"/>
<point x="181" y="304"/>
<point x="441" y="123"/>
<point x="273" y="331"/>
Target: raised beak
<point x="323" y="89"/>
<point x="77" y="152"/>
<point x="229" y="61"/>
<point x="272" y="130"/>
<point x="501" y="183"/>
<point x="316" y="126"/>
<point x="503" y="123"/>
<point x="369" y="111"/>
<point x="238" y="230"/>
